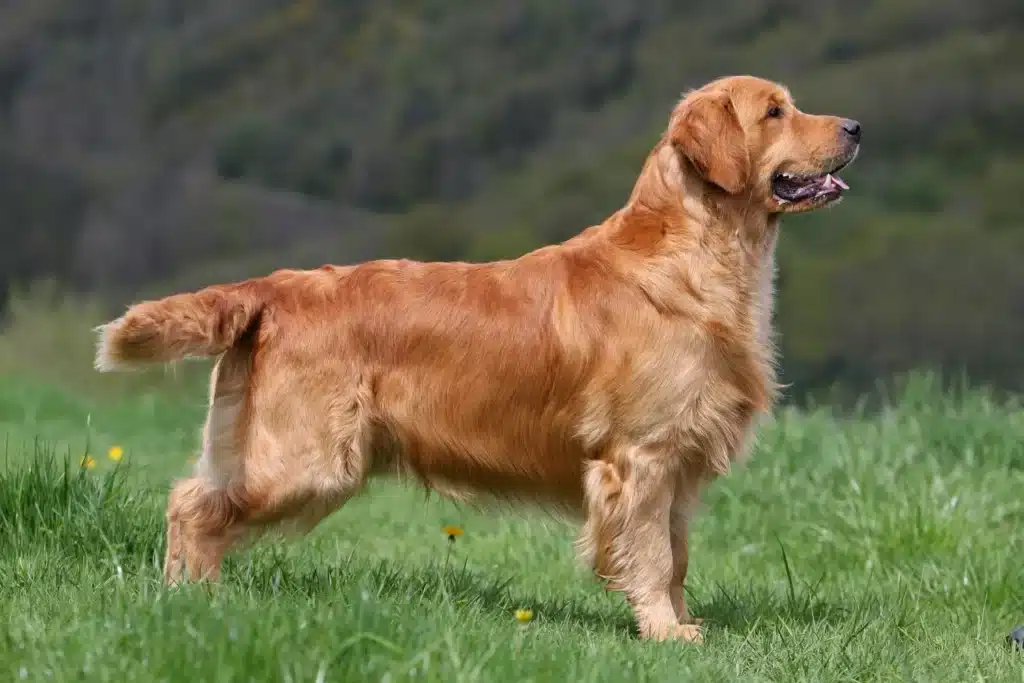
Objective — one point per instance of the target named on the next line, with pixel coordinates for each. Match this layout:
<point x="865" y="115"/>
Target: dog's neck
<point x="691" y="241"/>
<point x="672" y="211"/>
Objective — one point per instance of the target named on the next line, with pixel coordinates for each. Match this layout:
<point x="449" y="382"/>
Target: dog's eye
<point x="775" y="112"/>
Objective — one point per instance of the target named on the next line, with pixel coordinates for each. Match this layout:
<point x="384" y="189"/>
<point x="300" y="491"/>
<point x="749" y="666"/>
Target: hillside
<point x="151" y="146"/>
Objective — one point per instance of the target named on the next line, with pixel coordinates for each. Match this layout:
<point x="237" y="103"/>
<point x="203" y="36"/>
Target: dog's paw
<point x="687" y="633"/>
<point x="691" y="633"/>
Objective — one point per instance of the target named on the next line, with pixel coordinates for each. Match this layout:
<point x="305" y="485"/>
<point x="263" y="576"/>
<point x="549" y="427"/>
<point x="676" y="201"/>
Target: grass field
<point x="886" y="547"/>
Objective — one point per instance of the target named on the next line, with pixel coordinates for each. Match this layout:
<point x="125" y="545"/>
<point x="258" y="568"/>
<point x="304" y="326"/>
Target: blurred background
<point x="147" y="147"/>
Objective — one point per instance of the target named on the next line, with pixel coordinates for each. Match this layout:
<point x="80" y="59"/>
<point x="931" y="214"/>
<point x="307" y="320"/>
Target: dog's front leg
<point x="628" y="535"/>
<point x="683" y="506"/>
<point x="680" y="562"/>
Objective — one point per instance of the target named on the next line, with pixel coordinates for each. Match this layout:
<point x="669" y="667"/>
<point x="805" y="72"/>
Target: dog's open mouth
<point x="793" y="188"/>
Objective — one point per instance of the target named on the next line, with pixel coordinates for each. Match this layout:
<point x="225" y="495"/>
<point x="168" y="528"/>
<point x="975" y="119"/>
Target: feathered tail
<point x="199" y="324"/>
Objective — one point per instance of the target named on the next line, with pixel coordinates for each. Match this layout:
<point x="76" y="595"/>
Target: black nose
<point x="852" y="128"/>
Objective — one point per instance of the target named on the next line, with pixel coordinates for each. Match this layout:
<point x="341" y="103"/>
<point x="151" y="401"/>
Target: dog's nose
<point x="852" y="128"/>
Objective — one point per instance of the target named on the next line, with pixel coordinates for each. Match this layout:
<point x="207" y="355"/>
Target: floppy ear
<point x="707" y="132"/>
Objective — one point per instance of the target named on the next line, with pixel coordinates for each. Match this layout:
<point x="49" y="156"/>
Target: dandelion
<point x="115" y="453"/>
<point x="88" y="462"/>
<point x="524" y="617"/>
<point x="453" y="532"/>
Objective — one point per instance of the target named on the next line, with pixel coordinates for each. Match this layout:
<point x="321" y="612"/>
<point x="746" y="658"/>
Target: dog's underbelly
<point x="518" y="452"/>
<point x="533" y="453"/>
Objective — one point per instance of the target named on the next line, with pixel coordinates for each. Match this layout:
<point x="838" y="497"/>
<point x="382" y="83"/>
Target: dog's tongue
<point x="833" y="181"/>
<point x="795" y="190"/>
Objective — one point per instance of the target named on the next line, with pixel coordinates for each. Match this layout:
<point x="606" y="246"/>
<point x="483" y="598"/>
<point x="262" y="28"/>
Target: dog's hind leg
<point x="202" y="524"/>
<point x="284" y="450"/>
<point x="303" y="457"/>
<point x="206" y="511"/>
<point x="310" y="450"/>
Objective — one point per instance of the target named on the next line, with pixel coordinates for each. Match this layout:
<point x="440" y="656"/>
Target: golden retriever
<point x="613" y="374"/>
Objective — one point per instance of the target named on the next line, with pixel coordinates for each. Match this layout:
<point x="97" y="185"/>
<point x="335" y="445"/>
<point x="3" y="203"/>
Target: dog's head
<point x="744" y="136"/>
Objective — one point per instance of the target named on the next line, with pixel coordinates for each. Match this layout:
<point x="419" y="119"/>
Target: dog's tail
<point x="200" y="324"/>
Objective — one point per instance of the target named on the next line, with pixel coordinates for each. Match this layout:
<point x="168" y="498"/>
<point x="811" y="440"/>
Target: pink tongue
<point x="831" y="180"/>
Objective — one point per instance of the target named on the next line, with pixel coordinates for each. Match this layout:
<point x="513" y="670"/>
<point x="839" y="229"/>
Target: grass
<point x="879" y="547"/>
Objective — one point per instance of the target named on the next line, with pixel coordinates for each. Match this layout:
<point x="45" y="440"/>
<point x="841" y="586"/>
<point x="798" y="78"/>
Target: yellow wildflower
<point x="115" y="453"/>
<point x="524" y="616"/>
<point x="452" y="531"/>
<point x="88" y="462"/>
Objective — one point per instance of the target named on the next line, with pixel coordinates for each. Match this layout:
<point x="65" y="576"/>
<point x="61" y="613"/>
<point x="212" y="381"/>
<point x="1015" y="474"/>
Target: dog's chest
<point x="761" y="314"/>
<point x="762" y="305"/>
<point x="709" y="392"/>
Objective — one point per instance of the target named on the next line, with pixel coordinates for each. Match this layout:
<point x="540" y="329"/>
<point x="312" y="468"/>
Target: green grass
<point x="886" y="547"/>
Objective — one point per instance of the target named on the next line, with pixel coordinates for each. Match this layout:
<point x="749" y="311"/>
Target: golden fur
<point x="614" y="374"/>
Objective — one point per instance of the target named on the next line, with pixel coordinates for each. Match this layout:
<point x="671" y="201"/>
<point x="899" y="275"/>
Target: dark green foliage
<point x="210" y="136"/>
<point x="42" y="208"/>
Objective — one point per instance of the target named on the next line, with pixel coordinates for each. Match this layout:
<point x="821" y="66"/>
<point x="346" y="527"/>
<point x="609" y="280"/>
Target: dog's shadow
<point x="743" y="610"/>
<point x="458" y="585"/>
<point x="721" y="607"/>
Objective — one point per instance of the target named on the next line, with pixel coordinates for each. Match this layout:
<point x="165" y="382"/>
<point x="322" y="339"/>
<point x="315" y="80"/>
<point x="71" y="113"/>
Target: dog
<point x="615" y="374"/>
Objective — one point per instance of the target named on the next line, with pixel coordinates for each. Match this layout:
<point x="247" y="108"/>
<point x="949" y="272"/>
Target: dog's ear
<point x="708" y="133"/>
